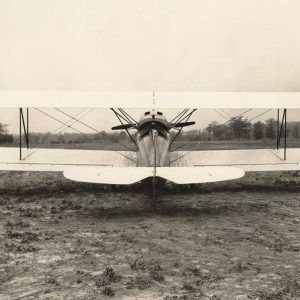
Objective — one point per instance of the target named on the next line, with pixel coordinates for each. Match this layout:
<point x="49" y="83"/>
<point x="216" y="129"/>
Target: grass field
<point x="231" y="240"/>
<point x="193" y="145"/>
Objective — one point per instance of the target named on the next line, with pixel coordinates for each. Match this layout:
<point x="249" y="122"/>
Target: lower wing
<point x="118" y="167"/>
<point x="247" y="160"/>
<point x="107" y="167"/>
<point x="62" y="159"/>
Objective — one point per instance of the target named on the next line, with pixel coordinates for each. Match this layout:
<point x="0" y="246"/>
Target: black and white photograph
<point x="149" y="149"/>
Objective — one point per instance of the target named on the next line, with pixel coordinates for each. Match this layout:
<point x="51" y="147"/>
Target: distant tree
<point x="212" y="128"/>
<point x="122" y="135"/>
<point x="295" y="130"/>
<point x="225" y="132"/>
<point x="271" y="126"/>
<point x="3" y="128"/>
<point x="5" y="138"/>
<point x="258" y="130"/>
<point x="240" y="127"/>
<point x="192" y="135"/>
<point x="216" y="130"/>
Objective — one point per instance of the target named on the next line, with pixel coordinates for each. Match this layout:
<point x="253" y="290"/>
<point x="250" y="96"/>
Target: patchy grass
<point x="188" y="145"/>
<point x="228" y="240"/>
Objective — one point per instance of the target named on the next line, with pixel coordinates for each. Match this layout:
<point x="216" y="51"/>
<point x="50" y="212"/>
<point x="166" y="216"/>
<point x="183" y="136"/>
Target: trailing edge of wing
<point x="144" y="99"/>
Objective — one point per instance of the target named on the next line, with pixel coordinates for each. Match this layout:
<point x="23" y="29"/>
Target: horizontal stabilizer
<point x="182" y="175"/>
<point x="108" y="175"/>
<point x="189" y="175"/>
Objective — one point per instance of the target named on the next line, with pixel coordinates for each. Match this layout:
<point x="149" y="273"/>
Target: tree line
<point x="241" y="129"/>
<point x="5" y="137"/>
<point x="237" y="128"/>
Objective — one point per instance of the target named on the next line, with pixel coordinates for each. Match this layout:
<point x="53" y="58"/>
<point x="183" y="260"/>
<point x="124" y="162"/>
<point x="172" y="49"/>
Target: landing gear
<point x="153" y="191"/>
<point x="158" y="185"/>
<point x="191" y="187"/>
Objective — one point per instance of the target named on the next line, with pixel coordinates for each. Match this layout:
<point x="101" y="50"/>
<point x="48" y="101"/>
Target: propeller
<point x="181" y="124"/>
<point x="123" y="126"/>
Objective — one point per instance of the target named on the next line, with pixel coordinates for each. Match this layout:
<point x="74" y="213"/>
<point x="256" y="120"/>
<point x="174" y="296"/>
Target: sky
<point x="104" y="119"/>
<point x="142" y="45"/>
<point x="166" y="45"/>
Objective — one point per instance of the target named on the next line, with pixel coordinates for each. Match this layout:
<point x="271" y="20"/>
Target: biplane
<point x="154" y="156"/>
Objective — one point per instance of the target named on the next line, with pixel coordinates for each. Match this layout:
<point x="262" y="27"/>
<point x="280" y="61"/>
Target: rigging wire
<point x="129" y="116"/>
<point x="81" y="117"/>
<point x="62" y="126"/>
<point x="55" y="131"/>
<point x="129" y="121"/>
<point x="187" y="117"/>
<point x="180" y="157"/>
<point x="180" y="146"/>
<point x="233" y="118"/>
<point x="226" y="113"/>
<point x="179" y="115"/>
<point x="96" y="130"/>
<point x="126" y="156"/>
<point x="261" y="114"/>
<point x="119" y="118"/>
<point x="69" y="126"/>
<point x="77" y="120"/>
<point x="266" y="111"/>
<point x="219" y="113"/>
<point x="184" y="117"/>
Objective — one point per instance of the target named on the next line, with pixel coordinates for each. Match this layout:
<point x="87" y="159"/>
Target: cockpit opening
<point x="160" y="131"/>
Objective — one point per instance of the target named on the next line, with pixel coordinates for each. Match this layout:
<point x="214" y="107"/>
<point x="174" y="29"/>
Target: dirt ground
<point x="232" y="240"/>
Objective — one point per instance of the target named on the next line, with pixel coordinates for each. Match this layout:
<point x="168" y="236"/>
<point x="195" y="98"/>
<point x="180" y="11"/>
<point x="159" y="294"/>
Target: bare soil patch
<point x="231" y="240"/>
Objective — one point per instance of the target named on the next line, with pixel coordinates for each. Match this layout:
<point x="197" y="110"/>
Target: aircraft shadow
<point x="172" y="209"/>
<point x="95" y="189"/>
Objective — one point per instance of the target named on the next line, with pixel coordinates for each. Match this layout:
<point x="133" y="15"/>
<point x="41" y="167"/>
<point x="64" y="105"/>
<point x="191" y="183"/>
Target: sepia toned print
<point x="149" y="204"/>
<point x="149" y="149"/>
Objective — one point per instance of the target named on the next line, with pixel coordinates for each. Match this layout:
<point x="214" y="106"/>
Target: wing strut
<point x="280" y="130"/>
<point x="25" y="126"/>
<point x="186" y="118"/>
<point x="125" y="118"/>
<point x="154" y="135"/>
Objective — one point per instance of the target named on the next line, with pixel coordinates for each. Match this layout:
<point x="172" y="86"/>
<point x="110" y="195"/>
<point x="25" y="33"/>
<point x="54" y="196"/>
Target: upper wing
<point x="144" y="99"/>
<point x="247" y="160"/>
<point x="62" y="159"/>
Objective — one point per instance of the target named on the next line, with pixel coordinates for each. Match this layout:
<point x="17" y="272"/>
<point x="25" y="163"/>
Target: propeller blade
<point x="124" y="126"/>
<point x="181" y="124"/>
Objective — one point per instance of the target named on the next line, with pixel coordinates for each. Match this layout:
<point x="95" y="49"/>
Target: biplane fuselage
<point x="153" y="140"/>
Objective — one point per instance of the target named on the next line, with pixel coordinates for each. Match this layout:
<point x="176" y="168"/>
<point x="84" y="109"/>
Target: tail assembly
<point x="130" y="175"/>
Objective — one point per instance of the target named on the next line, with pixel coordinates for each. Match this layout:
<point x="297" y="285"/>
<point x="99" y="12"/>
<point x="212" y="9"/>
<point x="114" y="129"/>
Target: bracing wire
<point x="65" y="124"/>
